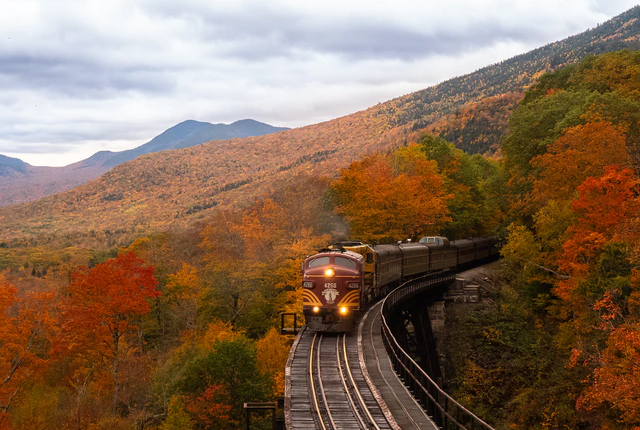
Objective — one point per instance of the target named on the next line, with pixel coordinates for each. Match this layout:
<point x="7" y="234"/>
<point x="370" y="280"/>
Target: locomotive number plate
<point x="331" y="285"/>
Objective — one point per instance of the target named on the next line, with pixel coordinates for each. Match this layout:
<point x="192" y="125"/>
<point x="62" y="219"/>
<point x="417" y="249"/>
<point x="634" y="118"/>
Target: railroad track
<point x="338" y="396"/>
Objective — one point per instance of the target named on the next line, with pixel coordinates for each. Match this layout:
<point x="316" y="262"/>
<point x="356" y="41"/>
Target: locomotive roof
<point x="343" y="252"/>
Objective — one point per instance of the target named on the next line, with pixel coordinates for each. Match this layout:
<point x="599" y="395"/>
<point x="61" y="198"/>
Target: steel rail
<point x="363" y="405"/>
<point x="386" y="413"/>
<point x="388" y="384"/>
<point x="352" y="402"/>
<point x="314" y="394"/>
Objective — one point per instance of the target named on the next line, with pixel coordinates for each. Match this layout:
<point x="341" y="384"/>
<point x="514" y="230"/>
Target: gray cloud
<point x="77" y="76"/>
<point x="263" y="33"/>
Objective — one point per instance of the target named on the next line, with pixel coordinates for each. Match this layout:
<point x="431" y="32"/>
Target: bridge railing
<point x="447" y="413"/>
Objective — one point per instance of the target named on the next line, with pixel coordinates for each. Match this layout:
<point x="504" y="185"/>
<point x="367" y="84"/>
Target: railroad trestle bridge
<point x="384" y="375"/>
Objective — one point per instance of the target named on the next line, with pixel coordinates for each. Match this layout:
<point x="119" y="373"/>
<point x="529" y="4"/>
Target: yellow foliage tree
<point x="386" y="198"/>
<point x="273" y="351"/>
<point x="185" y="287"/>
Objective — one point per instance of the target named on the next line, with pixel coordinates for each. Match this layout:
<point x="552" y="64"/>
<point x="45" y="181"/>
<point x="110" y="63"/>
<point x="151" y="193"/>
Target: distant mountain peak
<point x="38" y="182"/>
<point x="10" y="165"/>
<point x="190" y="133"/>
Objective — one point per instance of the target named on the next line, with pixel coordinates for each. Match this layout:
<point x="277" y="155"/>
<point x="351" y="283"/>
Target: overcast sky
<point x="79" y="76"/>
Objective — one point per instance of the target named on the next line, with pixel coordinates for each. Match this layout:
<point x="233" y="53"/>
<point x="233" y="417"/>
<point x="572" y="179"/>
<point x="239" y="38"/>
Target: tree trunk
<point x="114" y="369"/>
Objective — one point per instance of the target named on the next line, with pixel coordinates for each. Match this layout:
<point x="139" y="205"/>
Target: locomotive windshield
<point x="320" y="261"/>
<point x="344" y="262"/>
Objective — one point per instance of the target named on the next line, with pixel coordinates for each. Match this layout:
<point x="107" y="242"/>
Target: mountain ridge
<point x="21" y="182"/>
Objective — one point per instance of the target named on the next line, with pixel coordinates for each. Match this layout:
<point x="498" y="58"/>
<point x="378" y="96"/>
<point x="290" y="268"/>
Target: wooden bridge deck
<point x="298" y="410"/>
<point x="391" y="393"/>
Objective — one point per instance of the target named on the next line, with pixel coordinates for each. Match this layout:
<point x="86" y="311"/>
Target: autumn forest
<point x="173" y="325"/>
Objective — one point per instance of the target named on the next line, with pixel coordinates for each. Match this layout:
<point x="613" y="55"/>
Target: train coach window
<point x="435" y="240"/>
<point x="431" y="240"/>
<point x="320" y="261"/>
<point x="344" y="262"/>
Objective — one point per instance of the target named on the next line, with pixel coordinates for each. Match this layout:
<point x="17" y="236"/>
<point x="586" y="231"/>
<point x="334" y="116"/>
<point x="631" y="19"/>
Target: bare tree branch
<point x="553" y="272"/>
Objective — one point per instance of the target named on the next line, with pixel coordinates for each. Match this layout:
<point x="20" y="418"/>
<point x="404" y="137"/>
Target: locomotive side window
<point x="320" y="261"/>
<point x="344" y="262"/>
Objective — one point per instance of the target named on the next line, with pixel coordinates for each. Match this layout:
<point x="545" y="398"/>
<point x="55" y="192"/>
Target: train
<point x="340" y="281"/>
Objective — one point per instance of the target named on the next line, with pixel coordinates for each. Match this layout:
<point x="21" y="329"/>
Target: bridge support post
<point x="424" y="339"/>
<point x="261" y="406"/>
<point x="412" y="328"/>
<point x="288" y="329"/>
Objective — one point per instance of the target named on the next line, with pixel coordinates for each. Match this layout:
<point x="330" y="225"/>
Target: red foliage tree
<point x="608" y="210"/>
<point x="604" y="205"/>
<point x="99" y="313"/>
<point x="211" y="408"/>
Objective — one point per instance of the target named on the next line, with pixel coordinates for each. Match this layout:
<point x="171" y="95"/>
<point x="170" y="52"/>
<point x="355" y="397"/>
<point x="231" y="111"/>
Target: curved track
<point x="349" y="382"/>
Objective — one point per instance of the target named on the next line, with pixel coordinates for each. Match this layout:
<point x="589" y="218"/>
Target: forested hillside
<point x="558" y="345"/>
<point x="156" y="191"/>
<point x="176" y="329"/>
<point x="180" y="187"/>
<point x="423" y="108"/>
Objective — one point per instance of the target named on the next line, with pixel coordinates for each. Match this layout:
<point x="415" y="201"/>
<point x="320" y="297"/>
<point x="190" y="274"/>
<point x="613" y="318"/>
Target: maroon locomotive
<point x="332" y="282"/>
<point x="339" y="282"/>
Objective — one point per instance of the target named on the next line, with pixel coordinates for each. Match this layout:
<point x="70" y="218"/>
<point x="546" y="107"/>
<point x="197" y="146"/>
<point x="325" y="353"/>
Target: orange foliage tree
<point x="582" y="151"/>
<point x="252" y="257"/>
<point x="613" y="385"/>
<point x="602" y="292"/>
<point x="617" y="377"/>
<point x="23" y="342"/>
<point x="273" y="352"/>
<point x="98" y="321"/>
<point x="184" y="287"/>
<point x="604" y="205"/>
<point x="390" y="197"/>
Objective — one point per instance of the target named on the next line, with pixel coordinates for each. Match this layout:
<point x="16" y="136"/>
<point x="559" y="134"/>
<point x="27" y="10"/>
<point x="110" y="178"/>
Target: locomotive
<point x="340" y="281"/>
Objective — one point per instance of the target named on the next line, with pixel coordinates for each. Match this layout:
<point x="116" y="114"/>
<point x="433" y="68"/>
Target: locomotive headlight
<point x="316" y="309"/>
<point x="343" y="310"/>
<point x="353" y="285"/>
<point x="307" y="284"/>
<point x="329" y="272"/>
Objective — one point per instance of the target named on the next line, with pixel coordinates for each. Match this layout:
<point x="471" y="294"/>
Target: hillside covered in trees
<point x="558" y="346"/>
<point x="181" y="187"/>
<point x="176" y="329"/>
